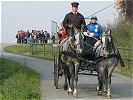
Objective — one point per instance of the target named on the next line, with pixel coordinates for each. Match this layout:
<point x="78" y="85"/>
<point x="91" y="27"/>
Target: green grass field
<point x="122" y="36"/>
<point x="25" y="50"/>
<point x="128" y="71"/>
<point x="18" y="82"/>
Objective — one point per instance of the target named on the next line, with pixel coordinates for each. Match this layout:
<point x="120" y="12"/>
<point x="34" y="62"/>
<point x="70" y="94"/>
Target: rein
<point x="89" y="45"/>
<point x="72" y="45"/>
<point x="71" y="41"/>
<point x="95" y="38"/>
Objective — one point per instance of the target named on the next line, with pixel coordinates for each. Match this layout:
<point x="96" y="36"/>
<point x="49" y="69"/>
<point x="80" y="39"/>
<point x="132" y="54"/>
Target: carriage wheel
<point x="56" y="71"/>
<point x="54" y="68"/>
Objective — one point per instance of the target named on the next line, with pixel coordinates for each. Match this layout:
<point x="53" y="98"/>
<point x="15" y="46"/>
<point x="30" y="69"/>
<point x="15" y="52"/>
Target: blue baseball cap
<point x="94" y="17"/>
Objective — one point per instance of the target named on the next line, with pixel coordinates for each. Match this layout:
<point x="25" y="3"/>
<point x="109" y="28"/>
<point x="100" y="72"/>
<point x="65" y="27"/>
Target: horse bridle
<point x="71" y="45"/>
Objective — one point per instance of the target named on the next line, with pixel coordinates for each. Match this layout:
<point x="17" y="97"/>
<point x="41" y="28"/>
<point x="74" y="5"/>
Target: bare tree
<point x="124" y="11"/>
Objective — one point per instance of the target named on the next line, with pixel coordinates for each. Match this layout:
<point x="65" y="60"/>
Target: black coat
<point x="76" y="21"/>
<point x="39" y="36"/>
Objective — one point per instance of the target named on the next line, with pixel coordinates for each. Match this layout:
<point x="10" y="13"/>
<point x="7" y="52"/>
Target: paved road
<point x="121" y="85"/>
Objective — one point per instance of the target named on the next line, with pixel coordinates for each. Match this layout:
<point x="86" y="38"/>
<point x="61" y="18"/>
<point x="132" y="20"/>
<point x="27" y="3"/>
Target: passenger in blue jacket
<point x="93" y="28"/>
<point x="92" y="36"/>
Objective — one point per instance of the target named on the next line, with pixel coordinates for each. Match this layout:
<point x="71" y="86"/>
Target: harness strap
<point x="72" y="45"/>
<point x="88" y="44"/>
<point x="71" y="40"/>
<point x="101" y="58"/>
<point x="69" y="54"/>
<point x="95" y="38"/>
<point x="63" y="41"/>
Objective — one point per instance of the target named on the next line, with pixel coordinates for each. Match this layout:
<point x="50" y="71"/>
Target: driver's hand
<point x="70" y="37"/>
<point x="70" y="25"/>
<point x="82" y="26"/>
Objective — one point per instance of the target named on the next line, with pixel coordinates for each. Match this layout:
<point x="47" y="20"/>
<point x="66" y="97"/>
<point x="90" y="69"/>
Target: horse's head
<point x="78" y="41"/>
<point x="107" y="43"/>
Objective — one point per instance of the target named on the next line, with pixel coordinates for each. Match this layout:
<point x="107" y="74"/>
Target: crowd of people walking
<point x="35" y="36"/>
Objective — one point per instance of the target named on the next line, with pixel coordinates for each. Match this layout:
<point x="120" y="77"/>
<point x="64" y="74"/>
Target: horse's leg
<point x="69" y="85"/>
<point x="65" y="69"/>
<point x="110" y="70"/>
<point x="71" y="71"/>
<point x="100" y="79"/>
<point x="100" y="84"/>
<point x="105" y="82"/>
<point x="75" y="93"/>
<point x="65" y="83"/>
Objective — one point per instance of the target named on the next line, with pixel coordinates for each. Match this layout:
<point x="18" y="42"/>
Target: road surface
<point x="121" y="87"/>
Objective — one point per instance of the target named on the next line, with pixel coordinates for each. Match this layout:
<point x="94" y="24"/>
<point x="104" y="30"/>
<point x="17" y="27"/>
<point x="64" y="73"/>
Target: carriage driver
<point x="74" y="18"/>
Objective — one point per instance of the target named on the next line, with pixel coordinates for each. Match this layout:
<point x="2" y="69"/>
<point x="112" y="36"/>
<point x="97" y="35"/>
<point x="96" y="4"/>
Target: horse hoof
<point x="105" y="93"/>
<point x="60" y="73"/>
<point x="109" y="96"/>
<point x="75" y="94"/>
<point x="99" y="93"/>
<point x="70" y="92"/>
<point x="65" y="87"/>
<point x="97" y="88"/>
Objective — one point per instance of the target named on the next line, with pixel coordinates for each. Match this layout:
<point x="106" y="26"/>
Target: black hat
<point x="75" y="4"/>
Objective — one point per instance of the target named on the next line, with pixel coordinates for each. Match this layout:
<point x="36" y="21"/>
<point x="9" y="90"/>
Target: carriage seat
<point x="88" y="50"/>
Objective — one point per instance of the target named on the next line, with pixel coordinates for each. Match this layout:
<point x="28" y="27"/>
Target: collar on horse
<point x="101" y="58"/>
<point x="73" y="52"/>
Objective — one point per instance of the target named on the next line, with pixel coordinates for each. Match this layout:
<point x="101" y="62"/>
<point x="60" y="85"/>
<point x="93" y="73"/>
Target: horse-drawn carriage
<point x="85" y="70"/>
<point x="104" y="60"/>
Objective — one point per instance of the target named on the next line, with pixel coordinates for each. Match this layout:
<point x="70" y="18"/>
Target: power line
<point x="91" y="14"/>
<point x="99" y="11"/>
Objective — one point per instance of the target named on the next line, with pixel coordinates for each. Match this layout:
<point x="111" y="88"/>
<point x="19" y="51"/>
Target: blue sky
<point x="24" y="15"/>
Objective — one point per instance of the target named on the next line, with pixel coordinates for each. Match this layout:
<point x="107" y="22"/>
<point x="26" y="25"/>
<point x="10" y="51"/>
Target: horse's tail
<point x="120" y="59"/>
<point x="119" y="56"/>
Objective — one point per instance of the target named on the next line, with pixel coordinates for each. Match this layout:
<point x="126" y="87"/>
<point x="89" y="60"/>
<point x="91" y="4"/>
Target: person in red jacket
<point x="61" y="34"/>
<point x="22" y="36"/>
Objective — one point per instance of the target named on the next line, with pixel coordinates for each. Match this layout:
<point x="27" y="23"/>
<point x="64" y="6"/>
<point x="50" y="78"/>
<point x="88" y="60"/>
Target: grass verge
<point x="127" y="71"/>
<point x="122" y="36"/>
<point x="18" y="82"/>
<point x="25" y="50"/>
